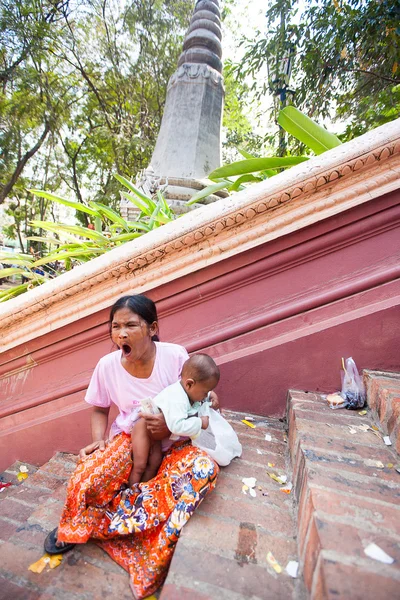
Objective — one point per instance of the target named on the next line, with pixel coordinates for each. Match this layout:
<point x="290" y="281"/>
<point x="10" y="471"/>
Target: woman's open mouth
<point x="126" y="350"/>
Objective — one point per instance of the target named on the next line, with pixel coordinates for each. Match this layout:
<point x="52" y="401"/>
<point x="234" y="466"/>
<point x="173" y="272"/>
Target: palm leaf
<point x="128" y="184"/>
<point x="125" y="237"/>
<point x="254" y="165"/>
<point x="64" y="201"/>
<point x="306" y="130"/>
<point x="243" y="179"/>
<point x="110" y="214"/>
<point x="68" y="254"/>
<point x="74" y="229"/>
<point x="210" y="189"/>
<point x="141" y="205"/>
<point x="46" y="240"/>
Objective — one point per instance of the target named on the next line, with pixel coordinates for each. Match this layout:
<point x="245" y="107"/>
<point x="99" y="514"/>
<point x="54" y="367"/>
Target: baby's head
<point x="199" y="376"/>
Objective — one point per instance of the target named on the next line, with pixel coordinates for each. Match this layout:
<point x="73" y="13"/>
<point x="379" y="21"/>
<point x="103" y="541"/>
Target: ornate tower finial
<point x="188" y="146"/>
<point x="202" y="43"/>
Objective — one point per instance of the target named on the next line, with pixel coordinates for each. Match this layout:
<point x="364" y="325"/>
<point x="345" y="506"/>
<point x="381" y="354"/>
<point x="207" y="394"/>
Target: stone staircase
<point x="346" y="495"/>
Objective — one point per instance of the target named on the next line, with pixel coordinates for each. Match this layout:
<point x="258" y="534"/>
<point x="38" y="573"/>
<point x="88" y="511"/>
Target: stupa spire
<point x="188" y="147"/>
<point x="202" y="43"/>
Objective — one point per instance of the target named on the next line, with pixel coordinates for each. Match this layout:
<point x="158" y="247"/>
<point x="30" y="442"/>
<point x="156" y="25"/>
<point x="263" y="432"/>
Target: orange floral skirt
<point x="138" y="527"/>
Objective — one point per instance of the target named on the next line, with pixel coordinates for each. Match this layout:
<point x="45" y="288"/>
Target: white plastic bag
<point x="219" y="440"/>
<point x="352" y="395"/>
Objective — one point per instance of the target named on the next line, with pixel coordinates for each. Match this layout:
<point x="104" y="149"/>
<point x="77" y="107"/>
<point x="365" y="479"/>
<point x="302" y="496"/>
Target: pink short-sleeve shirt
<point x="111" y="383"/>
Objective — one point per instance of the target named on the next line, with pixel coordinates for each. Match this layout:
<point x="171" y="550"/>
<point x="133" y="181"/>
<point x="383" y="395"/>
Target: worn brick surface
<point x="383" y="394"/>
<point x="345" y="501"/>
<point x="223" y="548"/>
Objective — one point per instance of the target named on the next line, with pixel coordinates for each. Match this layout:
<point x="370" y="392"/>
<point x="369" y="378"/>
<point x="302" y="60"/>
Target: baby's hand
<point x="204" y="422"/>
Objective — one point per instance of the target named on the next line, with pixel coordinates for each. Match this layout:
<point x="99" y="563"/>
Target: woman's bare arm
<point x="99" y="422"/>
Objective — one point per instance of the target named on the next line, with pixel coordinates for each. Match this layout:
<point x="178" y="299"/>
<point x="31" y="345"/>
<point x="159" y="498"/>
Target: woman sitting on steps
<point x="155" y="510"/>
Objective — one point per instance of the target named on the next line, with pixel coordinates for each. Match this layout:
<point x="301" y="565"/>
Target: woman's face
<point x="132" y="334"/>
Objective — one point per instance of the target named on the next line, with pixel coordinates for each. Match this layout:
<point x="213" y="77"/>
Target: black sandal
<point x="50" y="544"/>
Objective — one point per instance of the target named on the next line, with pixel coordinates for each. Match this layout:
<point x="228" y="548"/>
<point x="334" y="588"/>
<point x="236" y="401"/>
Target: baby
<point x="180" y="404"/>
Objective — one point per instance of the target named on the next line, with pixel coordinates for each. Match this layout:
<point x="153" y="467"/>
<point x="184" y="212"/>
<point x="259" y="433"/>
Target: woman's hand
<point x="214" y="401"/>
<point x="99" y="445"/>
<point x="156" y="425"/>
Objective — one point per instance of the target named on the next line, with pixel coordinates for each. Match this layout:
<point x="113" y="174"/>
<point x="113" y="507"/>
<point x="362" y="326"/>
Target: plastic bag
<point x="352" y="395"/>
<point x="219" y="440"/>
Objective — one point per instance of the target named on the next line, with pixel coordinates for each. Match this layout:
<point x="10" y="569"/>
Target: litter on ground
<point x="268" y="437"/>
<point x="273" y="563"/>
<point x="52" y="561"/>
<point x="387" y="440"/>
<point x="292" y="568"/>
<point x="278" y="478"/>
<point x="248" y="423"/>
<point x="375" y="552"/>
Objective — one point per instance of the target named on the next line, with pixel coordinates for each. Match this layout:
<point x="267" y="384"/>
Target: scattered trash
<point x="273" y="563"/>
<point x="4" y="485"/>
<point x="265" y="493"/>
<point x="249" y="418"/>
<point x="259" y="451"/>
<point x="397" y="467"/>
<point x="374" y="463"/>
<point x="248" y="424"/>
<point x="352" y="395"/>
<point x="278" y="478"/>
<point x="352" y="430"/>
<point x="52" y="561"/>
<point x="387" y="440"/>
<point x="375" y="552"/>
<point x="364" y="427"/>
<point x="362" y="413"/>
<point x="268" y="437"/>
<point x="249" y="485"/>
<point x="390" y="465"/>
<point x="260" y="488"/>
<point x="271" y="464"/>
<point x="287" y="489"/>
<point x="23" y="473"/>
<point x="374" y="427"/>
<point x="292" y="568"/>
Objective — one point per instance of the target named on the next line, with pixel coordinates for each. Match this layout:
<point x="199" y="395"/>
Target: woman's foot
<point x="53" y="546"/>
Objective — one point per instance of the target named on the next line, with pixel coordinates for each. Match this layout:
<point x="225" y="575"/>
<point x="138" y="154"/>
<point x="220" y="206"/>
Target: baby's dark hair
<point x="200" y="367"/>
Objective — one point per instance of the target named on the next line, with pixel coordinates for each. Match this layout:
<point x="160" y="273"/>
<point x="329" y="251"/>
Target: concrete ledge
<point x="327" y="185"/>
<point x="345" y="501"/>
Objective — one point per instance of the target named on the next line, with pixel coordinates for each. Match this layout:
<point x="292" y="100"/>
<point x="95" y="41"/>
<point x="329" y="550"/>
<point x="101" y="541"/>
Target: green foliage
<point x="253" y="170"/>
<point x="78" y="244"/>
<point x="346" y="58"/>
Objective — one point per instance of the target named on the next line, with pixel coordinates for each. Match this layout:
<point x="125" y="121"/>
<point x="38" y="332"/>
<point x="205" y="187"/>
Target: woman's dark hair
<point x="140" y="305"/>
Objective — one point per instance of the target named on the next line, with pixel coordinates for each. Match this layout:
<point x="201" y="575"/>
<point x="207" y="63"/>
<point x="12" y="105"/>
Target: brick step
<point x="27" y="513"/>
<point x="348" y="496"/>
<point x="383" y="395"/>
<point x="222" y="551"/>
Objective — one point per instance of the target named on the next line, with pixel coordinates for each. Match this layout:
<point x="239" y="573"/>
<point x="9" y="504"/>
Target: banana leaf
<point x="254" y="165"/>
<point x="125" y="237"/>
<point x="60" y="200"/>
<point x="306" y="130"/>
<point x="210" y="189"/>
<point x="243" y="179"/>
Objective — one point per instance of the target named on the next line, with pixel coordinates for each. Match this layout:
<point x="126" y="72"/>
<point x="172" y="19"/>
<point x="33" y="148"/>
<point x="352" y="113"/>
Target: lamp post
<point x="283" y="69"/>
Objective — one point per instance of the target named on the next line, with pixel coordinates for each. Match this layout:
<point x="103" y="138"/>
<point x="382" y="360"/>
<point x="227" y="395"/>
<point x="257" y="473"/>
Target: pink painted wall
<point x="277" y="317"/>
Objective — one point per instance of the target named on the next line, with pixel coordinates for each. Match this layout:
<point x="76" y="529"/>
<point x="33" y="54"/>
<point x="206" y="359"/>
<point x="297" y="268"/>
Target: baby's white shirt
<point x="179" y="413"/>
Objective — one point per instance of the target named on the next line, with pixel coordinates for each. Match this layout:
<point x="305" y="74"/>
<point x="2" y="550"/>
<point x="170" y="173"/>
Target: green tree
<point x="346" y="58"/>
